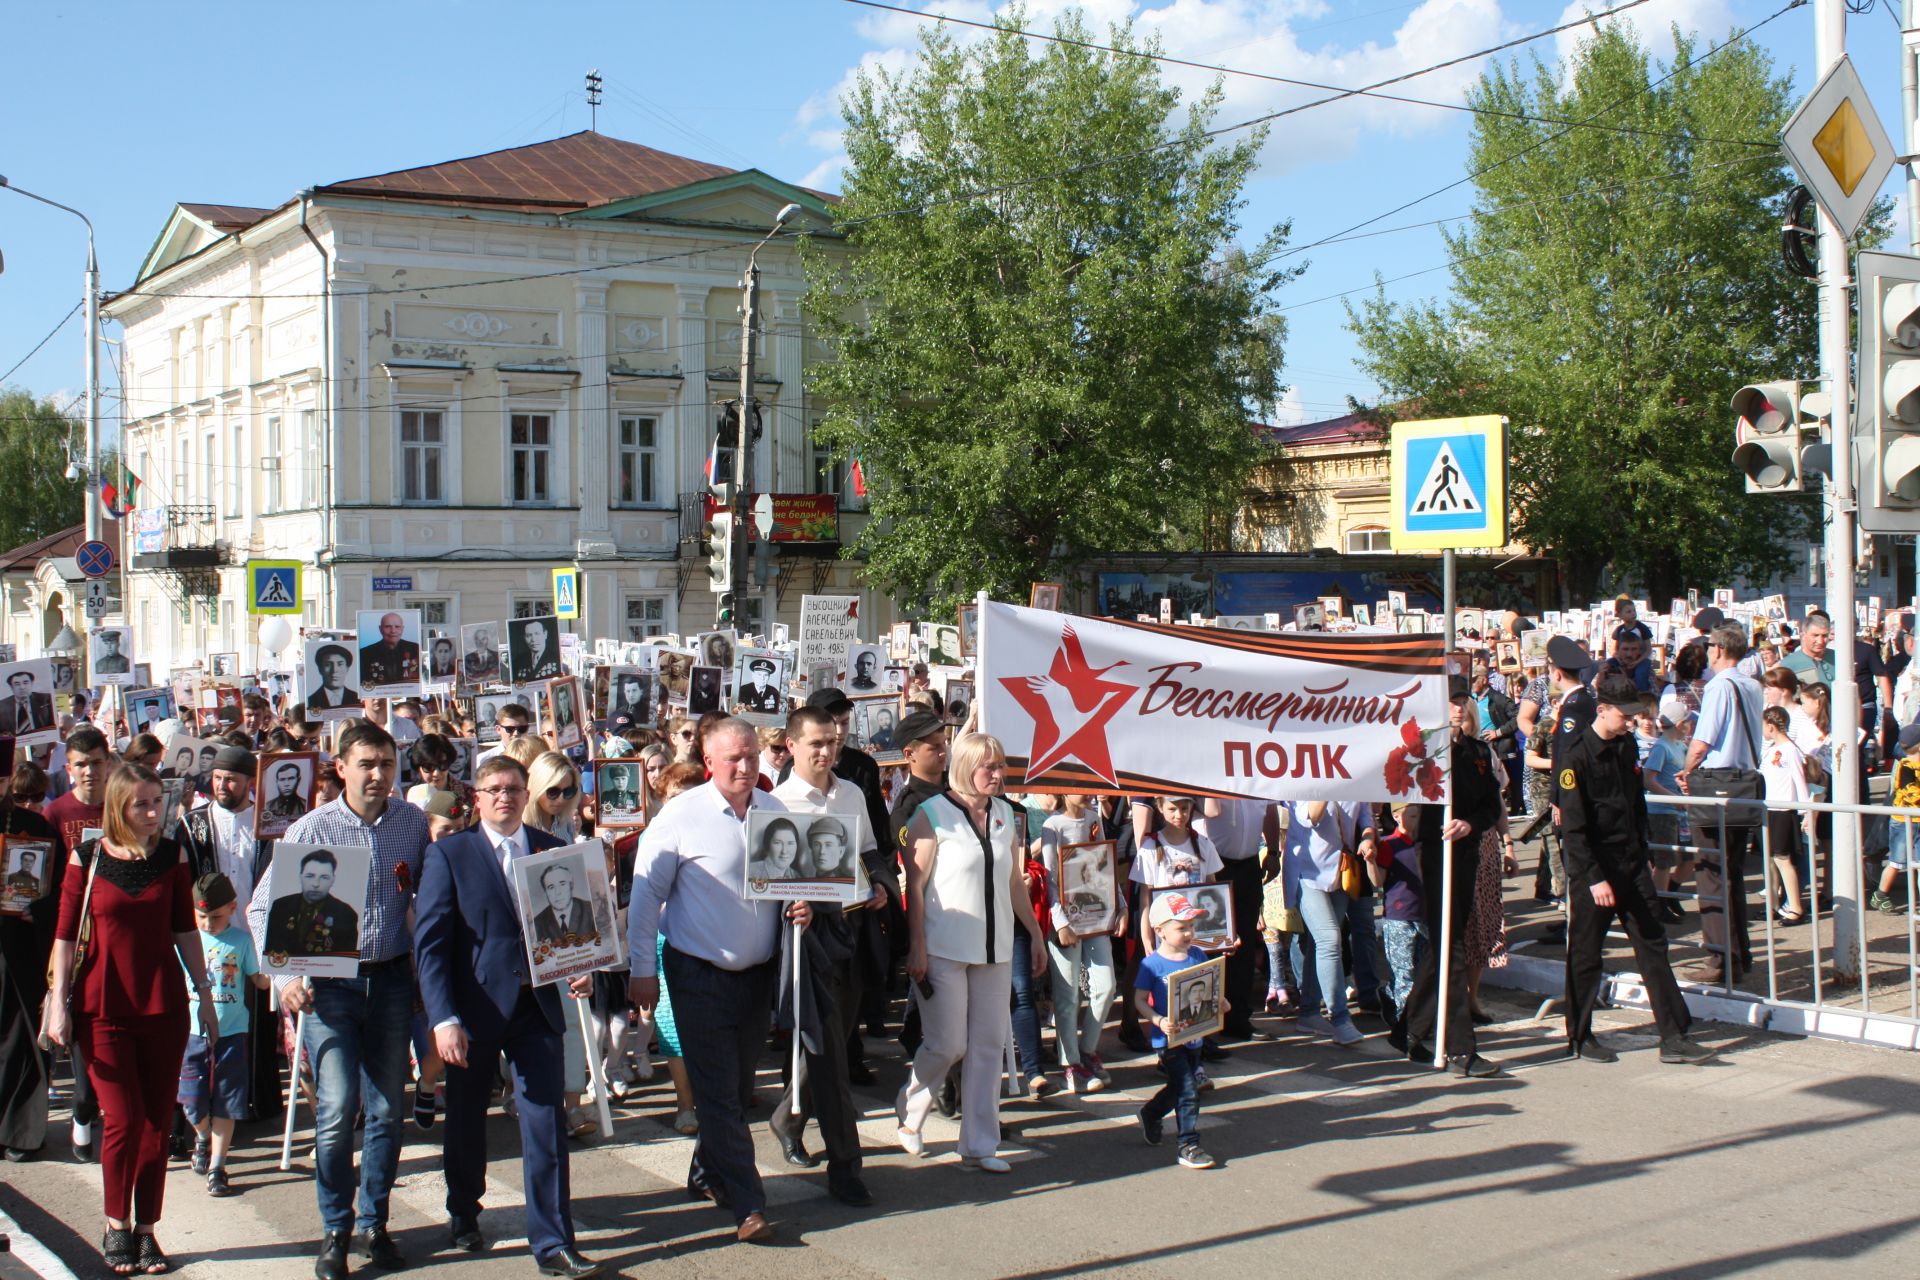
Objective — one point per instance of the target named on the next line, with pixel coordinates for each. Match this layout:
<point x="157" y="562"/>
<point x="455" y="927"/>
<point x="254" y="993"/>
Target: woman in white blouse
<point x="965" y="889"/>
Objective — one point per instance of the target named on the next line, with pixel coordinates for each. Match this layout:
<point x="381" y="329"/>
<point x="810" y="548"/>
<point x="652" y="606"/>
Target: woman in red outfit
<point x="129" y="1010"/>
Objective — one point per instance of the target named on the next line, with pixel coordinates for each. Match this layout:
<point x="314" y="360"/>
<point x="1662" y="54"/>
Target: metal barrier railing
<point x="1853" y="903"/>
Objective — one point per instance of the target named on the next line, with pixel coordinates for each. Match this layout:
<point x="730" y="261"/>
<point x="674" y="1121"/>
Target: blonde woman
<point x="966" y="887"/>
<point x="553" y="805"/>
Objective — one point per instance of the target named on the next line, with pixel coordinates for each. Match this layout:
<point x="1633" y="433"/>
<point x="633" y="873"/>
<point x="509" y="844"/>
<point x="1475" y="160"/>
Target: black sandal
<point x="116" y="1250"/>
<point x="152" y="1261"/>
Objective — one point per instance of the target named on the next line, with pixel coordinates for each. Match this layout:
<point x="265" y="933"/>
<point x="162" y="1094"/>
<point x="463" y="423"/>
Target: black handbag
<point x="1743" y="790"/>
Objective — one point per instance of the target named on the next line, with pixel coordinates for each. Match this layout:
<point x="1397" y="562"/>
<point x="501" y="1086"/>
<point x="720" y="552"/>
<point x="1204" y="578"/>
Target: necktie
<point x="26" y="720"/>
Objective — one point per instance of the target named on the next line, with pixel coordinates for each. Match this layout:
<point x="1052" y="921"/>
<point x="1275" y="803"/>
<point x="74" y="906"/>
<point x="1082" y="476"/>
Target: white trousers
<point x="965" y="1022"/>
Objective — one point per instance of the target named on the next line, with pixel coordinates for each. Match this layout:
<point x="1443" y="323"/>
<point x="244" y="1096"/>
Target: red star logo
<point x="1071" y="706"/>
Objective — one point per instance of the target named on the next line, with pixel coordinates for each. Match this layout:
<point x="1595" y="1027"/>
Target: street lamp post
<point x="743" y="447"/>
<point x="92" y="307"/>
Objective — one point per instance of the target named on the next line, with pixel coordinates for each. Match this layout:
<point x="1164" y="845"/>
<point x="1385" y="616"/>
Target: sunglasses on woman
<point x="562" y="793"/>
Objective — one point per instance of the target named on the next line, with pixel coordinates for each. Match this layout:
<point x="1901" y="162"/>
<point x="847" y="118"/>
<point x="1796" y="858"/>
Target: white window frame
<point x="1372" y="533"/>
<point x="532" y="606"/>
<point x="209" y="467"/>
<point x="556" y="484"/>
<point x="427" y="604"/>
<point x="420" y="449"/>
<point x="239" y="468"/>
<point x="650" y="457"/>
<point x="664" y="622"/>
<point x="313" y="458"/>
<point x="273" y="447"/>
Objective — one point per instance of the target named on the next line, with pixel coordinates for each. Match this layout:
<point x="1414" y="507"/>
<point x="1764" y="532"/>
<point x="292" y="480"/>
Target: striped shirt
<point x="399" y="837"/>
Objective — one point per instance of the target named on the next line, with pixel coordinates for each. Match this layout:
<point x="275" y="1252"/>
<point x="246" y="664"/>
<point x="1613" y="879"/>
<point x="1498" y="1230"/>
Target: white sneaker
<point x="910" y="1142"/>
<point x="1316" y="1023"/>
<point x="986" y="1164"/>
<point x="1346" y="1033"/>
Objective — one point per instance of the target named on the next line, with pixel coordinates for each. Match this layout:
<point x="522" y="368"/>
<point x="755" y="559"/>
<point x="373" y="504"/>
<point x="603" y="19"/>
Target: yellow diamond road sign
<point x="1838" y="146"/>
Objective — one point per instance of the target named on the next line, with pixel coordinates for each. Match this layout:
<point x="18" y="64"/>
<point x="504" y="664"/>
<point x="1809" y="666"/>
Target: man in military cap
<point x="24" y="884"/>
<point x="1603" y="823"/>
<point x="759" y="692"/>
<point x="313" y="922"/>
<point x="285" y="804"/>
<point x="390" y="660"/>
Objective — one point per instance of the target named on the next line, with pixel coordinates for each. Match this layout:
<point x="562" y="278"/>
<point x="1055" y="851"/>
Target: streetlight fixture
<point x="92" y="304"/>
<point x="743" y="446"/>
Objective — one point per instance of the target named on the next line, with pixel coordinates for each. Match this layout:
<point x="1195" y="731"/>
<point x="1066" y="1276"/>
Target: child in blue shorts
<point x="1171" y="918"/>
<point x="213" y="1080"/>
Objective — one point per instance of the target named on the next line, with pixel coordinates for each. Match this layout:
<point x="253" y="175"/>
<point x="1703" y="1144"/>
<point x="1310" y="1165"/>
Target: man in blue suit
<point x="475" y="981"/>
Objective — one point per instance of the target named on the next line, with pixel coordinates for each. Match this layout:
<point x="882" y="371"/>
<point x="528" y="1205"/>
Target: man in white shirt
<point x="831" y="963"/>
<point x="688" y="877"/>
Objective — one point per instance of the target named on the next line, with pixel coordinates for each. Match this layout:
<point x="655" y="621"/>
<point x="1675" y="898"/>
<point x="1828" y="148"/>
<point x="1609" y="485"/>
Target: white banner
<point x="1098" y="705"/>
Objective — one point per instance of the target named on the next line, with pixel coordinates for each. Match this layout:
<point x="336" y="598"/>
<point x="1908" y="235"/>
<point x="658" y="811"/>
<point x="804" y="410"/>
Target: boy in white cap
<point x="1171" y="917"/>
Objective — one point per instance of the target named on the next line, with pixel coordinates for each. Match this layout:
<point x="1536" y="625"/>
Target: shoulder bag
<point x="1743" y="790"/>
<point x="82" y="942"/>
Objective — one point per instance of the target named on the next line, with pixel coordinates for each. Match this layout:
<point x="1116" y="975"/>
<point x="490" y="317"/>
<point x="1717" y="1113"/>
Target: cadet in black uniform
<point x="1476" y="808"/>
<point x="1603" y="823"/>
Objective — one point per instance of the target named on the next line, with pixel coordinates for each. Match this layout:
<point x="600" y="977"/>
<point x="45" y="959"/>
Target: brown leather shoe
<point x="754" y="1229"/>
<point x="1705" y="972"/>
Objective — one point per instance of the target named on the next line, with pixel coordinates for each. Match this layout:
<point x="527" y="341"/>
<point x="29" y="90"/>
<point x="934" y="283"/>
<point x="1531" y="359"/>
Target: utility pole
<point x="1836" y="334"/>
<point x="1909" y="110"/>
<point x="593" y="100"/>
<point x="743" y="446"/>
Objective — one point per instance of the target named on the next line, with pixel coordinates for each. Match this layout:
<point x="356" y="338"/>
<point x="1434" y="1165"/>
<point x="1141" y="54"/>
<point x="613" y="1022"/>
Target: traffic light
<point x="1767" y="437"/>
<point x="1887" y="423"/>
<point x="716" y="543"/>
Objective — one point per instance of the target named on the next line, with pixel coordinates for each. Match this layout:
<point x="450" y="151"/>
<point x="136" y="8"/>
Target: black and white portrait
<point x="533" y="649"/>
<point x="704" y="690"/>
<point x="943" y="645"/>
<point x="675" y="671"/>
<point x="969" y="630"/>
<point x="480" y="654"/>
<point x="864" y="664"/>
<point x="110" y="656"/>
<point x="64" y="676"/>
<point x="959" y="697"/>
<point x="1044" y="595"/>
<point x="569" y="718"/>
<point x="629" y="702"/>
<point x="389" y="643"/>
<point x="1310" y="617"/>
<point x="894" y="679"/>
<point x="226" y="665"/>
<point x="715" y="649"/>
<point x="486" y="713"/>
<point x="815" y="857"/>
<point x="1213" y="928"/>
<point x="192" y="759"/>
<point x="443" y="660"/>
<point x="620" y="792"/>
<point x="760" y="682"/>
<point x="283" y="791"/>
<point x="328" y="685"/>
<point x="566" y="911"/>
<point x="24" y="873"/>
<point x="1194" y="1005"/>
<point x="26" y="711"/>
<point x="1087" y="886"/>
<point x="824" y="674"/>
<point x="317" y="894"/>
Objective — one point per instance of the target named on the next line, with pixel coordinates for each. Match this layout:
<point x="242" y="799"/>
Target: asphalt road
<point x="1787" y="1157"/>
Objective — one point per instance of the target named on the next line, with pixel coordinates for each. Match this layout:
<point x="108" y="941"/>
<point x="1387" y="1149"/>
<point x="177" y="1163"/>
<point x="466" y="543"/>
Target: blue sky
<point x="122" y="109"/>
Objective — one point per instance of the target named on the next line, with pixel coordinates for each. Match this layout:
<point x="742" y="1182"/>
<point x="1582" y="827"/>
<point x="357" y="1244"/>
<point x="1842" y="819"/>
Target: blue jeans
<point x="1363" y="945"/>
<point x="357" y="1036"/>
<point x="1026" y="1012"/>
<point x="1322" y="979"/>
<point x="1181" y="1093"/>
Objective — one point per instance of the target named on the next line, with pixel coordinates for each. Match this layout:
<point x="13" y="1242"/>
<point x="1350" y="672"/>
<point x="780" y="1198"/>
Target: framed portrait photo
<point x="676" y="672"/>
<point x="626" y="697"/>
<point x="959" y="700"/>
<point x="873" y="727"/>
<point x="109" y="656"/>
<point x="1044" y="595"/>
<point x="329" y="683"/>
<point x="1196" y="1004"/>
<point x="480" y="655"/>
<point x="706" y="690"/>
<point x="620" y="793"/>
<point x="389" y="652"/>
<point x="568" y="711"/>
<point x="283" y="791"/>
<point x="1397" y="601"/>
<point x="943" y="645"/>
<point x="26" y="710"/>
<point x="486" y="713"/>
<point x="226" y="665"/>
<point x="1362" y="616"/>
<point x="1310" y="617"/>
<point x="760" y="685"/>
<point x="804" y="857"/>
<point x="148" y="707"/>
<point x="969" y="630"/>
<point x="1087" y="886"/>
<point x="1213" y="930"/>
<point x="862" y="672"/>
<point x="316" y="899"/>
<point x="715" y="649"/>
<point x="533" y="649"/>
<point x="443" y="660"/>
<point x="25" y="873"/>
<point x="566" y="911"/>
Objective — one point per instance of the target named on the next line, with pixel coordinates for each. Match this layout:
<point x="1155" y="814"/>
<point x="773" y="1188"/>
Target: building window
<point x="272" y="457"/>
<point x="433" y="613"/>
<point x="533" y="607"/>
<point x="646" y="616"/>
<point x="636" y="461"/>
<point x="423" y="443"/>
<point x="1371" y="540"/>
<point x="311" y="447"/>
<point x="209" y="468"/>
<point x="237" y="471"/>
<point x="828" y="474"/>
<point x="531" y="438"/>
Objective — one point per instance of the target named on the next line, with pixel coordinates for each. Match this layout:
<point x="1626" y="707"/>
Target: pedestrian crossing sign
<point x="566" y="593"/>
<point x="273" y="586"/>
<point x="1449" y="483"/>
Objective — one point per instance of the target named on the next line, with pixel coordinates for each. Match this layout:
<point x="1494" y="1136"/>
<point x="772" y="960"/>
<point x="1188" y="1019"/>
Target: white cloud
<point x="1292" y="409"/>
<point x="1280" y="38"/>
<point x="1654" y="22"/>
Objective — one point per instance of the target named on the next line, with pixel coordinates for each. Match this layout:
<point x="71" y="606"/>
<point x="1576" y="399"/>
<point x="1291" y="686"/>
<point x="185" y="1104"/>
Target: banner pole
<point x="793" y="1071"/>
<point x="594" y="1072"/>
<point x="1445" y="940"/>
<point x="293" y="1089"/>
<point x="980" y="661"/>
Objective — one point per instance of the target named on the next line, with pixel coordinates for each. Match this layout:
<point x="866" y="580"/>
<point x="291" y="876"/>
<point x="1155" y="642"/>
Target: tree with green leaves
<point x="1619" y="279"/>
<point x="1047" y="343"/>
<point x="39" y="499"/>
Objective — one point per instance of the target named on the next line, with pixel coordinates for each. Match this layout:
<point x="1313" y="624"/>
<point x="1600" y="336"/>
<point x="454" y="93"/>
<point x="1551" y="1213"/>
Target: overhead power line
<point x="43" y="342"/>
